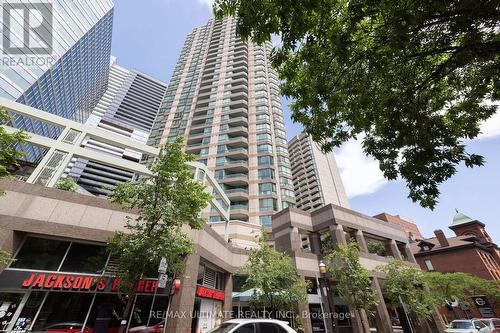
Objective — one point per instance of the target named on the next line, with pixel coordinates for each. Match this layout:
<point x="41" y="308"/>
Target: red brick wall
<point x="460" y="260"/>
<point x="465" y="260"/>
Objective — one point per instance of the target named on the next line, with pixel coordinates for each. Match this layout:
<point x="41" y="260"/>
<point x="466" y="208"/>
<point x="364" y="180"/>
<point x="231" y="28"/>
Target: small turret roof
<point x="461" y="218"/>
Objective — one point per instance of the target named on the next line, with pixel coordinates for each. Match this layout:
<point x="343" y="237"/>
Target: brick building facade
<point x="408" y="226"/>
<point x="470" y="251"/>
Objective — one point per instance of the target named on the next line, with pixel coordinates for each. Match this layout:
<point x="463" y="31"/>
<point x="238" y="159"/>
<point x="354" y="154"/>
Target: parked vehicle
<point x="467" y="326"/>
<point x="158" y="328"/>
<point x="253" y="326"/>
<point x="71" y="327"/>
<point x="68" y="328"/>
<point x="492" y="323"/>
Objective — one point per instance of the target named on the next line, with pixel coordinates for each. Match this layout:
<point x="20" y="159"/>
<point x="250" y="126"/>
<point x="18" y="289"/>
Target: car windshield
<point x="487" y="322"/>
<point x="224" y="328"/>
<point x="461" y="324"/>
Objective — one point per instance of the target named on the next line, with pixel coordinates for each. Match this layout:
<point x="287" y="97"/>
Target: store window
<point x="106" y="313"/>
<point x="40" y="253"/>
<point x="30" y="309"/>
<point x="60" y="308"/>
<point x="141" y="314"/>
<point x="9" y="302"/>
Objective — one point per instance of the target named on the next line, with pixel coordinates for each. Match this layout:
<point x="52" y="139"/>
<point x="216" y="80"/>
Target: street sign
<point x="162" y="268"/>
<point x="162" y="280"/>
<point x="484" y="306"/>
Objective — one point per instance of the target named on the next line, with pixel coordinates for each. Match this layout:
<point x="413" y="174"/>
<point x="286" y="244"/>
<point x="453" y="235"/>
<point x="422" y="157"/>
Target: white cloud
<point x="360" y="174"/>
<point x="208" y="3"/>
<point x="490" y="128"/>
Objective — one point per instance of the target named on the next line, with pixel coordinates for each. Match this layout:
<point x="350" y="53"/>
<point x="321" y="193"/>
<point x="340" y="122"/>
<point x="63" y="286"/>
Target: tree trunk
<point x="126" y="315"/>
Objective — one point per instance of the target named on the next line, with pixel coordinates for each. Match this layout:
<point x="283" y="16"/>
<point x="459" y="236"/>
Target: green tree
<point x="461" y="286"/>
<point x="376" y="247"/>
<point x="164" y="202"/>
<point x="9" y="153"/>
<point x="274" y="278"/>
<point x="408" y="285"/>
<point x="67" y="184"/>
<point x="413" y="78"/>
<point x="5" y="258"/>
<point x="352" y="280"/>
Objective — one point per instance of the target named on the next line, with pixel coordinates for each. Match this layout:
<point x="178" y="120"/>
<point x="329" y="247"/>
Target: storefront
<point x="209" y="300"/>
<point x="59" y="286"/>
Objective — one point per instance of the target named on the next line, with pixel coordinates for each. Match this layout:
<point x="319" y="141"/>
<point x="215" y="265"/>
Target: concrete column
<point x="395" y="250"/>
<point x="228" y="297"/>
<point x="438" y="320"/>
<point x="315" y="241"/>
<point x="360" y="238"/>
<point x="338" y="235"/>
<point x="381" y="315"/>
<point x="305" y="317"/>
<point x="409" y="254"/>
<point x="357" y="326"/>
<point x="183" y="302"/>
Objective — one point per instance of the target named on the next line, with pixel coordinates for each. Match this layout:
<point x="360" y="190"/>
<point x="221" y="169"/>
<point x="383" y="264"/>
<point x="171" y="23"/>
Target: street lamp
<point x="322" y="267"/>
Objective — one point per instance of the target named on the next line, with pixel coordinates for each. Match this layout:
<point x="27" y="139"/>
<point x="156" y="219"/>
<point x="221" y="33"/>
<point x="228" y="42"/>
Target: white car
<point x="253" y="326"/>
<point x="467" y="326"/>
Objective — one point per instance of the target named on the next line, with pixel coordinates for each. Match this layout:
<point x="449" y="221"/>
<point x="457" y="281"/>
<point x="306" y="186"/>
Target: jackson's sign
<point x="83" y="283"/>
<point x="15" y="279"/>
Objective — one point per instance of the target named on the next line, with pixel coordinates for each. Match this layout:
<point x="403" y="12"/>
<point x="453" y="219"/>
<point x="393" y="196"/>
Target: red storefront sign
<point x="209" y="293"/>
<point x="82" y="283"/>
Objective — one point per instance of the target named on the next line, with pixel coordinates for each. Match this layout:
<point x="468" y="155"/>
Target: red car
<point x="68" y="328"/>
<point x="492" y="323"/>
<point x="74" y="328"/>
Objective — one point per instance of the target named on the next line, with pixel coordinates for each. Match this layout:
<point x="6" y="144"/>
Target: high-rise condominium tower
<point x="69" y="77"/>
<point x="128" y="108"/>
<point x="224" y="99"/>
<point x="315" y="175"/>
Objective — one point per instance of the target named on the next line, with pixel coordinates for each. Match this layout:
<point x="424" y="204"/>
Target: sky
<point x="148" y="36"/>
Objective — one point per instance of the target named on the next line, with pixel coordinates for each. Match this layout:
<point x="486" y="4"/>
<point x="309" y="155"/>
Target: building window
<point x="266" y="174"/>
<point x="58" y="255"/>
<point x="41" y="253"/>
<point x="265" y="160"/>
<point x="266" y="220"/>
<point x="214" y="219"/>
<point x="85" y="258"/>
<point x="264" y="148"/>
<point x="264" y="137"/>
<point x="429" y="266"/>
<point x="287" y="193"/>
<point x="267" y="188"/>
<point x="268" y="204"/>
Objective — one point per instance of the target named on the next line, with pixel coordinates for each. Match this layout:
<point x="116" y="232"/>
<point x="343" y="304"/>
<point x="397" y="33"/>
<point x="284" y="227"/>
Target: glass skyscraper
<point x="73" y="81"/>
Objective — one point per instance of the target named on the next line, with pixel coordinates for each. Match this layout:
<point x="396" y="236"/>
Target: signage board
<point x="20" y="279"/>
<point x="209" y="293"/>
<point x="484" y="307"/>
<point x="162" y="268"/>
<point x="162" y="280"/>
